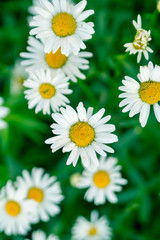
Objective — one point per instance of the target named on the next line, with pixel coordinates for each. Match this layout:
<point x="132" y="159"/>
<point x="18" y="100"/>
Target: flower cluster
<point x="55" y="57"/>
<point x="140" y="95"/>
<point x="32" y="197"/>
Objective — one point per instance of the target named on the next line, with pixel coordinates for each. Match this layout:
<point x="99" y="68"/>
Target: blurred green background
<point x="136" y="216"/>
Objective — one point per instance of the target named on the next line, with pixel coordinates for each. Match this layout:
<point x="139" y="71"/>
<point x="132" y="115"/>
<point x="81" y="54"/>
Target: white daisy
<point x="43" y="189"/>
<point x="61" y="25"/>
<point x="46" y="90"/>
<point x="4" y="111"/>
<point x="36" y="58"/>
<point x="40" y="235"/>
<point x="95" y="229"/>
<point x="18" y="76"/>
<point x="138" y="97"/>
<point x="141" y="41"/>
<point x="17" y="213"/>
<point x="82" y="134"/>
<point x="102" y="181"/>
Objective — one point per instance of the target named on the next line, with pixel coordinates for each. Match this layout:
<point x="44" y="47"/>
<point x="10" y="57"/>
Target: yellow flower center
<point x="149" y="92"/>
<point x="47" y="90"/>
<point x="101" y="179"/>
<point x="56" y="60"/>
<point x="36" y="194"/>
<point x="20" y="80"/>
<point x="82" y="134"/>
<point x="13" y="208"/>
<point x="92" y="231"/>
<point x="64" y="24"/>
<point x="140" y="40"/>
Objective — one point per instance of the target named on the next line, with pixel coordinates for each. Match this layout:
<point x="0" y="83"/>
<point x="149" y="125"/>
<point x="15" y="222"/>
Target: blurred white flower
<point x="139" y="96"/>
<point x="4" y="111"/>
<point x="61" y="25"/>
<point x="40" y="235"/>
<point x="47" y="90"/>
<point x="158" y="5"/>
<point x="36" y="58"/>
<point x="75" y="179"/>
<point x="82" y="133"/>
<point x="17" y="78"/>
<point x="102" y="181"/>
<point x="44" y="190"/>
<point x="141" y="41"/>
<point x="95" y="229"/>
<point x="16" y="212"/>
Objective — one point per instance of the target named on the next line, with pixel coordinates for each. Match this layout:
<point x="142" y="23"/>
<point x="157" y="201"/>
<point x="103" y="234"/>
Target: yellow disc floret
<point x="149" y="92"/>
<point x="92" y="231"/>
<point x="47" y="90"/>
<point x="13" y="208"/>
<point x="64" y="24"/>
<point x="56" y="60"/>
<point x="36" y="194"/>
<point x="101" y="179"/>
<point x="140" y="40"/>
<point x="82" y="134"/>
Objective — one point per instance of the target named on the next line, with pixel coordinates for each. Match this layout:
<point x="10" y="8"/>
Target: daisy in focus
<point x="44" y="190"/>
<point x="40" y="235"/>
<point x="102" y="181"/>
<point x="95" y="229"/>
<point x="36" y="58"/>
<point x="140" y="96"/>
<point x="4" y="111"/>
<point x="82" y="133"/>
<point x="17" y="213"/>
<point x="61" y="25"/>
<point x="46" y="91"/>
<point x="141" y="41"/>
<point x="18" y="76"/>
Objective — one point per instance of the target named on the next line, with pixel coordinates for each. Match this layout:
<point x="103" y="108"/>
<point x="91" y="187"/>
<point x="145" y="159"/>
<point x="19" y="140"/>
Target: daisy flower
<point x="102" y="181"/>
<point x="40" y="235"/>
<point x="141" y="41"/>
<point x="18" y="76"/>
<point x="82" y="133"/>
<point x="17" y="213"/>
<point x="61" y="25"/>
<point x="139" y="96"/>
<point x="37" y="3"/>
<point x="95" y="229"/>
<point x="36" y="58"/>
<point x="44" y="190"/>
<point x="46" y="90"/>
<point x="4" y="111"/>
